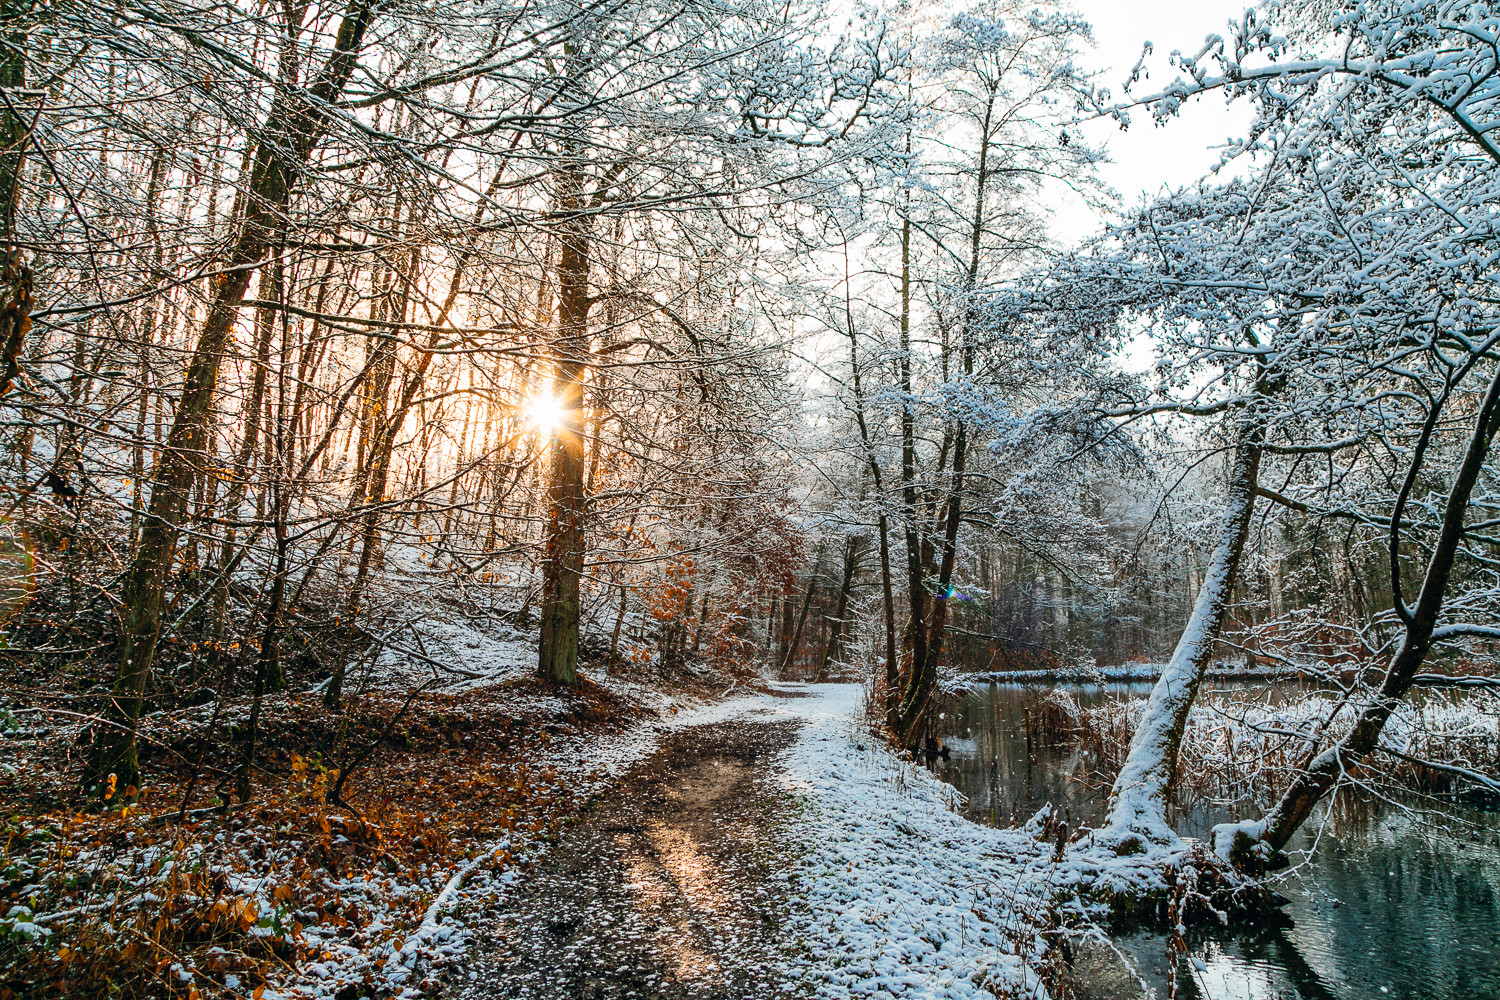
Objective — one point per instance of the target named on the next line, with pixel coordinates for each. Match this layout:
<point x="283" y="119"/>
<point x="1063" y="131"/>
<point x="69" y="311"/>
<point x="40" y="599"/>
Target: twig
<point x="337" y="795"/>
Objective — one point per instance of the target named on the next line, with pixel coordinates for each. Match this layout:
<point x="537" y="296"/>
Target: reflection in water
<point x="1391" y="904"/>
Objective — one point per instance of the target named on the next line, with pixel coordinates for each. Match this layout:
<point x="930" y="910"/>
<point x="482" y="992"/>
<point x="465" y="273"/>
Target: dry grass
<point x="1240" y="748"/>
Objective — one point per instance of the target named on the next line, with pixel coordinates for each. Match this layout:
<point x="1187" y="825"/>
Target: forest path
<point x="666" y="887"/>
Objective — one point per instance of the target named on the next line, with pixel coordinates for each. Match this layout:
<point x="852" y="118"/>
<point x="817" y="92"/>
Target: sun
<point x="544" y="413"/>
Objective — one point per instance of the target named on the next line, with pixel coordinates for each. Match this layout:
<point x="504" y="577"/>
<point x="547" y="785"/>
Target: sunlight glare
<point x="544" y="414"/>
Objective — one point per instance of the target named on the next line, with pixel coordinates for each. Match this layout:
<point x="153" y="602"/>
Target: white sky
<point x="1147" y="157"/>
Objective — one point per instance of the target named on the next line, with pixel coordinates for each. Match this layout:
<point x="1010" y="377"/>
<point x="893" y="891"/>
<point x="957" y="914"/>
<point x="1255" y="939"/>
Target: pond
<point x="1390" y="902"/>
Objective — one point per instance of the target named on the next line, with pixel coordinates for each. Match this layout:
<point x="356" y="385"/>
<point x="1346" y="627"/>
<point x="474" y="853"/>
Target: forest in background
<point x="688" y="343"/>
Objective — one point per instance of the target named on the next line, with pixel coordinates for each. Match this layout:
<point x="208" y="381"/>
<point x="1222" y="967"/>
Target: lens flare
<point x="544" y="414"/>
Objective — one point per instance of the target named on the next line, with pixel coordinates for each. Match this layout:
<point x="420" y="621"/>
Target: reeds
<point x="1241" y="746"/>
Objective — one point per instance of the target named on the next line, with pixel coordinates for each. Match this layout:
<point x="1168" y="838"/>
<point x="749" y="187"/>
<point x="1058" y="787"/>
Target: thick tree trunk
<point x="1258" y="844"/>
<point x="561" y="583"/>
<point x="293" y="128"/>
<point x="1138" y="800"/>
<point x="923" y="677"/>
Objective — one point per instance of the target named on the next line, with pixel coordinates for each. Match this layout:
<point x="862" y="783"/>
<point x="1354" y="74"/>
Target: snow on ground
<point x="455" y="653"/>
<point x="895" y="893"/>
<point x="588" y="765"/>
<point x="903" y="895"/>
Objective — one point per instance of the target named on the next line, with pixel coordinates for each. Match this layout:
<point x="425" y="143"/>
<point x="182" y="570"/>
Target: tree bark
<point x="841" y="609"/>
<point x="892" y="680"/>
<point x="919" y="685"/>
<point x="924" y="671"/>
<point x="794" y="641"/>
<point x="916" y="589"/>
<point x="293" y="127"/>
<point x="1138" y="799"/>
<point x="1257" y="844"/>
<point x="15" y="276"/>
<point x="561" y="583"/>
<point x="381" y="449"/>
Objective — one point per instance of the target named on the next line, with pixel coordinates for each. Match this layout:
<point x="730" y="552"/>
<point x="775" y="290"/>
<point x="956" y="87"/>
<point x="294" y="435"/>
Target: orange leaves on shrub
<point x="241" y="913"/>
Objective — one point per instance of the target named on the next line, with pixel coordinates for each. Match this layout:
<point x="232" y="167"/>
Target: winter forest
<point x="741" y="499"/>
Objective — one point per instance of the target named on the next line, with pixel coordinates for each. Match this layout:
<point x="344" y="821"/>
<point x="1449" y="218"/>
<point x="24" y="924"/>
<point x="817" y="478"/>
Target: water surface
<point x="1391" y="899"/>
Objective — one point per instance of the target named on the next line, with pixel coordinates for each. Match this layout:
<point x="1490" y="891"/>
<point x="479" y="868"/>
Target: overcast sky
<point x="1149" y="158"/>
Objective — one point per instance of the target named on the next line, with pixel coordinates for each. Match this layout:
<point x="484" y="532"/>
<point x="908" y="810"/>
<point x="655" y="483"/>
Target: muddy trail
<point x="669" y="888"/>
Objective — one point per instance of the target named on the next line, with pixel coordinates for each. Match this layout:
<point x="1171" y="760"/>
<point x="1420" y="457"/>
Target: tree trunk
<point x="1138" y="799"/>
<point x="1256" y="845"/>
<point x="840" y="611"/>
<point x="924" y="671"/>
<point x="924" y="666"/>
<point x="916" y="589"/>
<point x="15" y="277"/>
<point x="270" y="291"/>
<point x="784" y="639"/>
<point x="558" y="644"/>
<point x="614" y="638"/>
<point x="795" y="640"/>
<point x="381" y="449"/>
<point x="891" y="678"/>
<point x="888" y="602"/>
<point x="294" y="125"/>
<point x="268" y="671"/>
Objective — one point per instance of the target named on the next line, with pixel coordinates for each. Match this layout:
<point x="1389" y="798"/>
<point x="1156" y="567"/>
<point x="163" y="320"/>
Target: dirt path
<point x="668" y="889"/>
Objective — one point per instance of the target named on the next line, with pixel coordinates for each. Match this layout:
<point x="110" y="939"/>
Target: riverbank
<point x="1123" y="673"/>
<point x="903" y="895"/>
<point x="855" y="875"/>
<point x="1369" y="869"/>
<point x="769" y="846"/>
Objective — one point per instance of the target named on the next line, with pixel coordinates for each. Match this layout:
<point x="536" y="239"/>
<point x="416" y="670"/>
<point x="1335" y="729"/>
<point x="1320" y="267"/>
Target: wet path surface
<point x="667" y="887"/>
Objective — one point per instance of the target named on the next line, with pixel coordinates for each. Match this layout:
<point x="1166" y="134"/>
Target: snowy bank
<point x="901" y="894"/>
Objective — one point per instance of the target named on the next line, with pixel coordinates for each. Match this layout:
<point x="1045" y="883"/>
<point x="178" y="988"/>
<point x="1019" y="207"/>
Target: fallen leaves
<point x="142" y="905"/>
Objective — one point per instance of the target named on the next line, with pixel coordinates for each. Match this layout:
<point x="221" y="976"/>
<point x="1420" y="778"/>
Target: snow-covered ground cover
<point x="901" y="895"/>
<point x="455" y="653"/>
<point x="898" y="893"/>
<point x="304" y="899"/>
<point x="594" y="762"/>
<point x="894" y="891"/>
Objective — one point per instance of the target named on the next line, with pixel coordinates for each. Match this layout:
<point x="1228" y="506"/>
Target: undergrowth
<point x="176" y="899"/>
